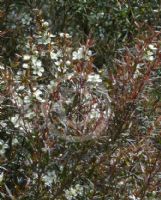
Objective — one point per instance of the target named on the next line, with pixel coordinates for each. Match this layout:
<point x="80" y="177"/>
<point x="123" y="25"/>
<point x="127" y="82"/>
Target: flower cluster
<point x="74" y="192"/>
<point x="70" y="82"/>
<point x="151" y="52"/>
<point x="49" y="178"/>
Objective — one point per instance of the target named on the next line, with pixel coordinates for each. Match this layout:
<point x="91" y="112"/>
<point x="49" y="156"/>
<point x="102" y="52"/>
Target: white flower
<point x="26" y="19"/>
<point x="49" y="178"/>
<point x="73" y="192"/>
<point x="1" y="177"/>
<point x="81" y="53"/>
<point x="37" y="68"/>
<point x="151" y="58"/>
<point x="26" y="57"/>
<point x="65" y="35"/>
<point x="68" y="195"/>
<point x="25" y="66"/>
<point x="58" y="63"/>
<point x="69" y="76"/>
<point x="30" y="114"/>
<point x="94" y="114"/>
<point x="95" y="78"/>
<point x="68" y="36"/>
<point x="121" y="182"/>
<point x="38" y="71"/>
<point x="3" y="124"/>
<point x="51" y="35"/>
<point x="75" y="55"/>
<point x="38" y="63"/>
<point x="38" y="94"/>
<point x="132" y="197"/>
<point x="109" y="112"/>
<point x="150" y="54"/>
<point x="59" y="53"/>
<point x="68" y="62"/>
<point x="136" y="74"/>
<point x="45" y="24"/>
<point x="79" y="189"/>
<point x="56" y="55"/>
<point x="19" y="73"/>
<point x="3" y="147"/>
<point x="152" y="47"/>
<point x="34" y="60"/>
<point x="53" y="55"/>
<point x="14" y="141"/>
<point x="1" y="67"/>
<point x="43" y="53"/>
<point x="61" y="34"/>
<point x="14" y="119"/>
<point x="17" y="121"/>
<point x="21" y="87"/>
<point x="36" y="53"/>
<point x="89" y="53"/>
<point x="27" y="99"/>
<point x="46" y="41"/>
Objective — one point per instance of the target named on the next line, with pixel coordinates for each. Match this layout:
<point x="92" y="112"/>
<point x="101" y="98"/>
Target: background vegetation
<point x="80" y="98"/>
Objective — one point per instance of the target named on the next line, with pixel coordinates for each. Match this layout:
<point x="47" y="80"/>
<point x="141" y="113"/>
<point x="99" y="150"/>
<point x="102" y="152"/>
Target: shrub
<point x="70" y="131"/>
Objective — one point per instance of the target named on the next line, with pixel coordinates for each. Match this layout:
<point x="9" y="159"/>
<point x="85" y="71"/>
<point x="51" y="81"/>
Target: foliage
<point x="111" y="24"/>
<point x="68" y="130"/>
